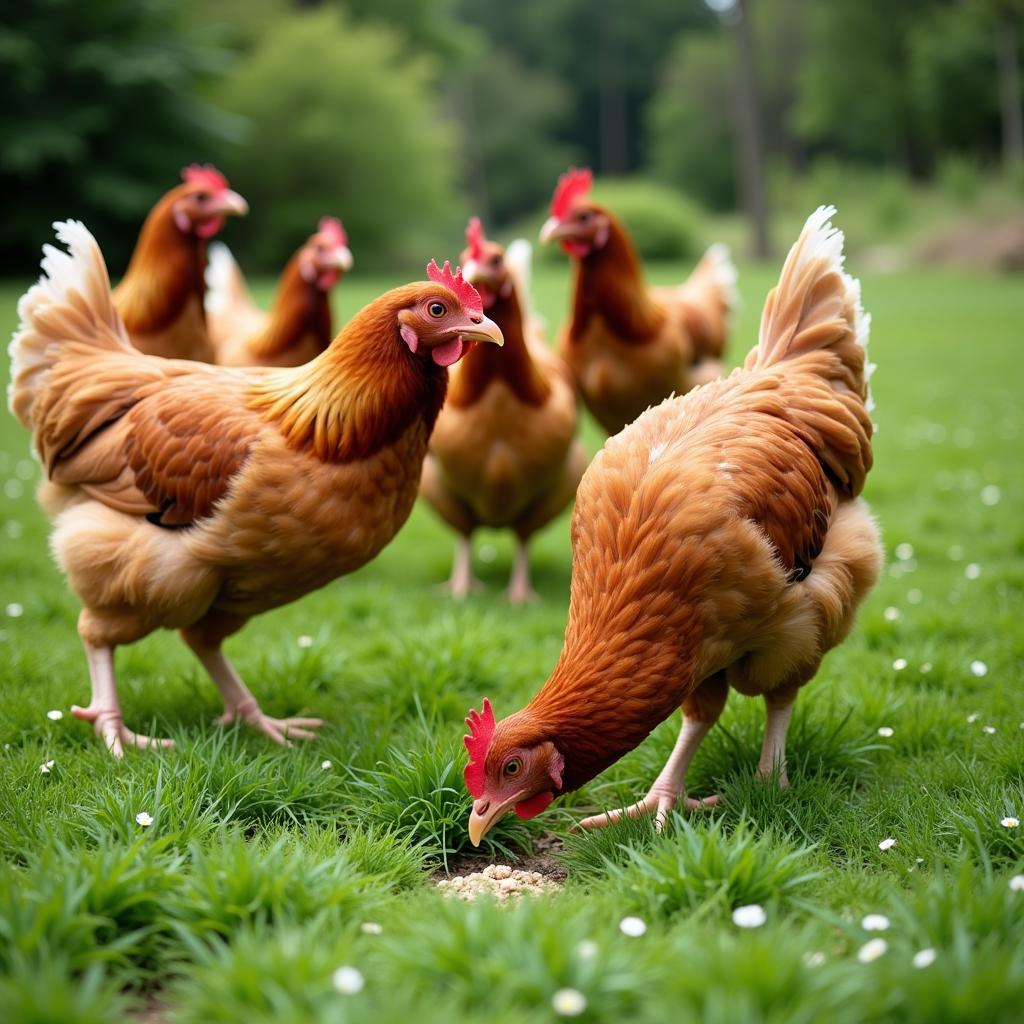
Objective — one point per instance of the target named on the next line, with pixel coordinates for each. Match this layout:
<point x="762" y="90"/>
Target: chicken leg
<point x="462" y="582"/>
<point x="519" y="589"/>
<point x="104" y="710"/>
<point x="700" y="712"/>
<point x="778" y="711"/>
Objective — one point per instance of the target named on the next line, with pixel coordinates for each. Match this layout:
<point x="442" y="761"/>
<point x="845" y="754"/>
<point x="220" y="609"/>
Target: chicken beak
<point x="486" y="814"/>
<point x="232" y="203"/>
<point x="343" y="258"/>
<point x="550" y="230"/>
<point x="484" y="330"/>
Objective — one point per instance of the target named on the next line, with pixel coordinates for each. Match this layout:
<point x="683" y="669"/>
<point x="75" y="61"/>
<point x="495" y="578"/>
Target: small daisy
<point x="887" y="844"/>
<point x="568" y="1002"/>
<point x="972" y="570"/>
<point x="634" y="927"/>
<point x="815" y="959"/>
<point x="305" y="640"/>
<point x="924" y="958"/>
<point x="891" y="614"/>
<point x="885" y="731"/>
<point x="348" y="980"/>
<point x="972" y="718"/>
<point x="371" y="928"/>
<point x="899" y="664"/>
<point x="750" y="916"/>
<point x="1017" y="883"/>
<point x="875" y="923"/>
<point x="988" y="730"/>
<point x="327" y="765"/>
<point x="991" y="495"/>
<point x="914" y="596"/>
<point x="872" y="950"/>
<point x="55" y="715"/>
<point x="14" y="610"/>
<point x="144" y="819"/>
<point x="1010" y="822"/>
<point x="587" y="949"/>
<point x="979" y="668"/>
<point x="904" y="552"/>
<point x="926" y="666"/>
<point x="46" y="767"/>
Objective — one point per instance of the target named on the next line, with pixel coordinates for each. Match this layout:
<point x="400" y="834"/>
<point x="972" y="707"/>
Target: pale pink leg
<point x="240" y="703"/>
<point x="461" y="583"/>
<point x="519" y="589"/>
<point x="104" y="710"/>
<point x="778" y="711"/>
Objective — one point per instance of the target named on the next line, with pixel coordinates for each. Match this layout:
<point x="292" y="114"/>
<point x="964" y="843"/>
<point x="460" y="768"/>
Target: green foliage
<point x="48" y="991"/>
<point x="341" y="120"/>
<point x="100" y="114"/>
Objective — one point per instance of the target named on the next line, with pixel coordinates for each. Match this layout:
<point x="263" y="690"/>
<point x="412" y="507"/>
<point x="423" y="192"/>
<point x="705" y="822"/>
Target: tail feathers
<point x="708" y="299"/>
<point x="519" y="262"/>
<point x="816" y="308"/>
<point x="70" y="309"/>
<point x="225" y="283"/>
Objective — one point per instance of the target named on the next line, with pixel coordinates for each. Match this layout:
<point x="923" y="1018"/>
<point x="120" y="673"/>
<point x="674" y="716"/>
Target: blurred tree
<point x="99" y="115"/>
<point x="511" y="120"/>
<point x="342" y="121"/>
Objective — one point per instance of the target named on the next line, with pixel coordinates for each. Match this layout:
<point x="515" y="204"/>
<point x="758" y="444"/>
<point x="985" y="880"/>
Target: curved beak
<point x="483" y="330"/>
<point x="343" y="258"/>
<point x="550" y="230"/>
<point x="230" y="202"/>
<point x="485" y="815"/>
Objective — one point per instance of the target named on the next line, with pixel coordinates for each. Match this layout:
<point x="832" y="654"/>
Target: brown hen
<point x="193" y="497"/>
<point x="718" y="541"/>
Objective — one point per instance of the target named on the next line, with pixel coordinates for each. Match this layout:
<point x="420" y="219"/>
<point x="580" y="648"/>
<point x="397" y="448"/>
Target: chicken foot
<point x="104" y="710"/>
<point x="519" y="589"/>
<point x="239" y="703"/>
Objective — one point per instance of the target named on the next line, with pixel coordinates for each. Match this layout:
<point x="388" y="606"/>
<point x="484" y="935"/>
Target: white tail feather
<point x="725" y="273"/>
<point x="221" y="270"/>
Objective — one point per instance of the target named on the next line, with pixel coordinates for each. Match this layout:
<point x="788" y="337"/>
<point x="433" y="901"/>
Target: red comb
<point x="467" y="294"/>
<point x="572" y="185"/>
<point x="481" y="729"/>
<point x="207" y="175"/>
<point x="334" y="229"/>
<point x="475" y="238"/>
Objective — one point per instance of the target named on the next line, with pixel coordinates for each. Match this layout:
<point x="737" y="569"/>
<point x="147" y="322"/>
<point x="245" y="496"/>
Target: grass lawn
<point x="261" y="867"/>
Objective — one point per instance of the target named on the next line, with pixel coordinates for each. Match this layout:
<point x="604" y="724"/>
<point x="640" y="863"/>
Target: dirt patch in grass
<point x="537" y="872"/>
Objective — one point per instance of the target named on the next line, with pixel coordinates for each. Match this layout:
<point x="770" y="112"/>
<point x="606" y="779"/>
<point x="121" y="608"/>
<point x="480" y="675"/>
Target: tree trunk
<point x="1009" y="91"/>
<point x="748" y="131"/>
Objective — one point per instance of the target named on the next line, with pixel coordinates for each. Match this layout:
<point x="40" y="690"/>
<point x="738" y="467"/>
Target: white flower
<point x="568" y="1002"/>
<point x="750" y="916"/>
<point x="988" y="730"/>
<point x="144" y="819"/>
<point x="872" y="950"/>
<point x="914" y="596"/>
<point x="904" y="552"/>
<point x="1017" y="883"/>
<point x="886" y="844"/>
<point x="891" y="614"/>
<point x="1009" y="822"/>
<point x="899" y="664"/>
<point x="924" y="958"/>
<point x="371" y="928"/>
<point x="875" y="923"/>
<point x="55" y="715"/>
<point x="926" y="666"/>
<point x="973" y="717"/>
<point x="885" y="731"/>
<point x="348" y="980"/>
<point x="972" y="570"/>
<point x="14" y="610"/>
<point x="979" y="668"/>
<point x="305" y="640"/>
<point x="487" y="553"/>
<point x="633" y="927"/>
<point x="815" y="959"/>
<point x="327" y="765"/>
<point x="587" y="949"/>
<point x="45" y="767"/>
<point x="991" y="495"/>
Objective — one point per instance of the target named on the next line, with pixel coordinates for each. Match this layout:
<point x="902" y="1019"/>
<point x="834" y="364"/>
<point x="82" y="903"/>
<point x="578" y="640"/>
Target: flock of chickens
<point x="205" y="461"/>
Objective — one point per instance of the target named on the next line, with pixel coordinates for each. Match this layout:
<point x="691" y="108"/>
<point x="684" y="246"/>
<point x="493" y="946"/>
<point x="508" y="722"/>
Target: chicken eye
<point x="513" y="768"/>
<point x="583" y="216"/>
<point x="202" y="196"/>
<point x="436" y="309"/>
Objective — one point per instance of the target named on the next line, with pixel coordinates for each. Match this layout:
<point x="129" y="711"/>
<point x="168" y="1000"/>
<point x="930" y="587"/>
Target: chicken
<point x="630" y="346"/>
<point x="503" y="452"/>
<point x="160" y="297"/>
<point x="719" y="541"/>
<point x="298" y="326"/>
<point x="193" y="497"/>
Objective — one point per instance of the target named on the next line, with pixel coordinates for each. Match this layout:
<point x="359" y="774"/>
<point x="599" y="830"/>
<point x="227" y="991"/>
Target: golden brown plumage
<point x="717" y="541"/>
<point x="504" y="451"/>
<point x="298" y="326"/>
<point x="193" y="497"/>
<point x="160" y="298"/>
<point x="630" y="346"/>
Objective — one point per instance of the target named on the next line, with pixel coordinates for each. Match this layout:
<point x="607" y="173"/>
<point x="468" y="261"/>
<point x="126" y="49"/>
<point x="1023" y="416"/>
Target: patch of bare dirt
<point x="534" y="873"/>
<point x="977" y="245"/>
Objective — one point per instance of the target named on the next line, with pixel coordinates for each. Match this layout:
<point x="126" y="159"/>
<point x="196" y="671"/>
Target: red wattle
<point x="328" y="279"/>
<point x="446" y="355"/>
<point x="530" y="808"/>
<point x="208" y="228"/>
<point x="576" y="248"/>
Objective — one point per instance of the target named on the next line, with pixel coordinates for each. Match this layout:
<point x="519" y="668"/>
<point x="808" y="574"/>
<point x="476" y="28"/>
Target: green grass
<point x="251" y="886"/>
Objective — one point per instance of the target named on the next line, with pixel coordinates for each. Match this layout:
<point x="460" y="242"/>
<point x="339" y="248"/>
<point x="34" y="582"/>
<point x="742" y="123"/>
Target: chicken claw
<point x="280" y="730"/>
<point x="658" y="802"/>
<point x="109" y="726"/>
